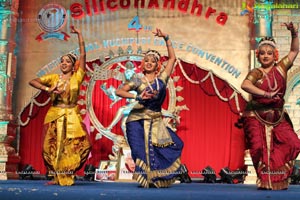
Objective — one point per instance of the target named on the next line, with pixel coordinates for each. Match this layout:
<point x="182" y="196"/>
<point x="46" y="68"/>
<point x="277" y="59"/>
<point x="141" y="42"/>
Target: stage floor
<point x="91" y="190"/>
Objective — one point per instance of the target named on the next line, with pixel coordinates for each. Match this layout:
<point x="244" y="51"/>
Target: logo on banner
<point x="51" y="18"/>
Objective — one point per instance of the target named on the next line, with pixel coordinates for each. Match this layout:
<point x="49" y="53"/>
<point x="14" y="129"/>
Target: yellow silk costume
<point x="66" y="143"/>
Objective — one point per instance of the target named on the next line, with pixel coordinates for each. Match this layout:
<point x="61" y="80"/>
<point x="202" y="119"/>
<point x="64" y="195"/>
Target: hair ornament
<point x="267" y="41"/>
<point x="153" y="53"/>
<point x="72" y="57"/>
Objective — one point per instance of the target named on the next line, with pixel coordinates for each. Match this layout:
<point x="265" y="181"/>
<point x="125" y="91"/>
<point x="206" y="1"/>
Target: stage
<point x="214" y="42"/>
<point x="90" y="190"/>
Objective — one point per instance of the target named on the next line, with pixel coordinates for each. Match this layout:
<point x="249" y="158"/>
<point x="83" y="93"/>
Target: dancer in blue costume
<point x="155" y="148"/>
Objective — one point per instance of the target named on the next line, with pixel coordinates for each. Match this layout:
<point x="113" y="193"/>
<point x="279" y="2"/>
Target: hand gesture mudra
<point x="74" y="29"/>
<point x="290" y="26"/>
<point x="158" y="33"/>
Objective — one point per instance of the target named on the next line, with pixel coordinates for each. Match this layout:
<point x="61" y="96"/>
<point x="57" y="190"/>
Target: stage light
<point x="27" y="171"/>
<point x="225" y="174"/>
<point x="295" y="177"/>
<point x="89" y="172"/>
<point x="209" y="175"/>
<point x="184" y="175"/>
<point x="232" y="177"/>
<point x="238" y="176"/>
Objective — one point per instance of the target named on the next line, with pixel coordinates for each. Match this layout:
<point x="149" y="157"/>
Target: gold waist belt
<point x="266" y="116"/>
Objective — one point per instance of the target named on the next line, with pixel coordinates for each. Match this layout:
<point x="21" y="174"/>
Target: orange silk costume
<point x="66" y="143"/>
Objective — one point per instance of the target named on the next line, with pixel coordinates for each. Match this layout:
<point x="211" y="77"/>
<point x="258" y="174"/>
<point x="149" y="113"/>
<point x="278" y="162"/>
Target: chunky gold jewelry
<point x="269" y="81"/>
<point x="47" y="89"/>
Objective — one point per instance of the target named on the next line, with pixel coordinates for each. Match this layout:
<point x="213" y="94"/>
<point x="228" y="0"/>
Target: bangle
<point x="139" y="98"/>
<point x="134" y="96"/>
<point x="166" y="38"/>
<point x="294" y="34"/>
<point x="265" y="94"/>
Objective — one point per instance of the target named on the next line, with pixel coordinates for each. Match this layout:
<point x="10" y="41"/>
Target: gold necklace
<point x="62" y="83"/>
<point x="150" y="86"/>
<point x="269" y="81"/>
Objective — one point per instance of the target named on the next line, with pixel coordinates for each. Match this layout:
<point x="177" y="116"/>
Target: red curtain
<point x="207" y="128"/>
<point x="30" y="143"/>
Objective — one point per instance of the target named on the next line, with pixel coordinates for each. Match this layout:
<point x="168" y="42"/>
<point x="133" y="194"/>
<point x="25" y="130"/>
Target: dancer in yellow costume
<point x="66" y="143"/>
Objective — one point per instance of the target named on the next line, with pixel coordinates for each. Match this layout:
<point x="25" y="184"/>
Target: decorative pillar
<point x="263" y="19"/>
<point x="8" y="23"/>
<point x="3" y="153"/>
